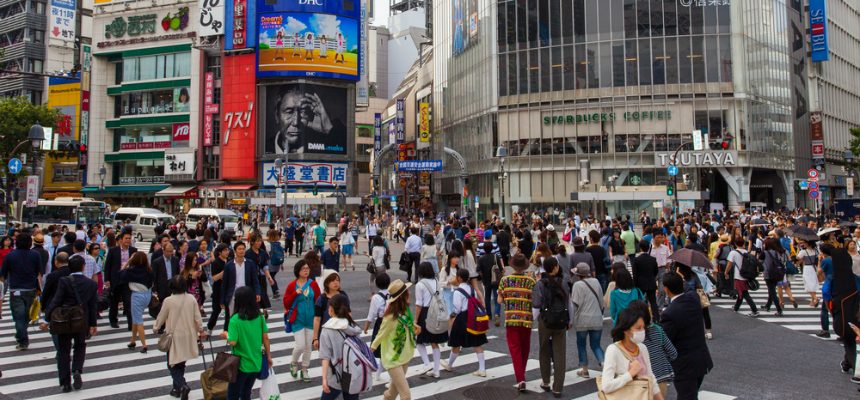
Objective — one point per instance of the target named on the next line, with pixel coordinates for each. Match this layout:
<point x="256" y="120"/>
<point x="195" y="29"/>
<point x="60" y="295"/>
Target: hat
<point x="326" y="274"/>
<point x="725" y="238"/>
<point x="396" y="288"/>
<point x="550" y="227"/>
<point x="582" y="269"/>
<point x="577" y="242"/>
<point x="488" y="234"/>
<point x="39" y="239"/>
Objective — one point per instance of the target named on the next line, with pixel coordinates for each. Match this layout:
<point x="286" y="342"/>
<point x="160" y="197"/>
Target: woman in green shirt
<point x="247" y="336"/>
<point x="396" y="337"/>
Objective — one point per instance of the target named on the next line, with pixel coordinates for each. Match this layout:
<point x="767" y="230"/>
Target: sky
<point x="381" y="17"/>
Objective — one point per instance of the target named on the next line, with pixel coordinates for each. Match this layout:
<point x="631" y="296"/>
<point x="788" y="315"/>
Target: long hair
<point x="398" y="307"/>
<point x="245" y="303"/>
<point x="139" y="259"/>
<point x="448" y="262"/>
<point x="313" y="259"/>
<point x="340" y="304"/>
<point x="190" y="260"/>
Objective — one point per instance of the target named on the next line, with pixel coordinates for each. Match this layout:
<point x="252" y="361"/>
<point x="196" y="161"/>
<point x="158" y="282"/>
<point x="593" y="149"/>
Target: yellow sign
<point x="424" y="122"/>
<point x="66" y="97"/>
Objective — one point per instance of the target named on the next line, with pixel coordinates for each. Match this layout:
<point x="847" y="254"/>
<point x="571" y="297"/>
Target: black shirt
<point x="598" y="254"/>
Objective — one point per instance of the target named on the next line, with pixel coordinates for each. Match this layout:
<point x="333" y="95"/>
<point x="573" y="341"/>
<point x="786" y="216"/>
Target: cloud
<point x="325" y="24"/>
<point x="293" y="25"/>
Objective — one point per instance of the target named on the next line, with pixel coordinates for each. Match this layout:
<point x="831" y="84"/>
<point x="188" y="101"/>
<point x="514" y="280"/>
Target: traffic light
<point x="316" y="190"/>
<point x="670" y="190"/>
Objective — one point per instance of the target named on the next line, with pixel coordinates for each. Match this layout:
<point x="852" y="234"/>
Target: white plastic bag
<point x="269" y="387"/>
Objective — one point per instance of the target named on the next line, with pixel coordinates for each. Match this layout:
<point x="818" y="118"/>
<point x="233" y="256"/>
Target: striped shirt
<point x="662" y="351"/>
<point x="516" y="292"/>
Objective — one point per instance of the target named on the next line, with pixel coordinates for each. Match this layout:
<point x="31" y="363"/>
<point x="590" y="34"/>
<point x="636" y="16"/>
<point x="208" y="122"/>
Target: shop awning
<point x="123" y="189"/>
<point x="174" y="191"/>
<point x="234" y="187"/>
<point x="134" y="156"/>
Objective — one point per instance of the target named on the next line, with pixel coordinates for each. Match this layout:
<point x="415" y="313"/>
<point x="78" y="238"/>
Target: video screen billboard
<point x="465" y="24"/>
<point x="305" y="118"/>
<point x="308" y="45"/>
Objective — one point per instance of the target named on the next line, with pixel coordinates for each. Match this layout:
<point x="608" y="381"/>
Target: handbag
<point x="637" y="389"/>
<point x="371" y="266"/>
<point x="226" y="367"/>
<point x="69" y="319"/>
<point x="753" y="285"/>
<point x="165" y="341"/>
<point x="703" y="298"/>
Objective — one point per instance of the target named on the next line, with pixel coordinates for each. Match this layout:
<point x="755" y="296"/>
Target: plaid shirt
<point x="90" y="267"/>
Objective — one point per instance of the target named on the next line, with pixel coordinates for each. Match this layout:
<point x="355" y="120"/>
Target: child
<point x="459" y="337"/>
<point x="424" y="291"/>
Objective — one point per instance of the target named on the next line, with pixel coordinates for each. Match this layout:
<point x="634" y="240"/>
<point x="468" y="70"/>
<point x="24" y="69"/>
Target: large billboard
<point x="818" y="31"/>
<point x="61" y="23"/>
<point x="464" y="24"/>
<point x="238" y="118"/>
<point x="308" y="38"/>
<point x="305" y="118"/>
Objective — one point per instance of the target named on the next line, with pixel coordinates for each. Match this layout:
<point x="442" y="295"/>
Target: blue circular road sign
<point x="814" y="194"/>
<point x="15" y="166"/>
<point x="673" y="170"/>
<point x="813" y="185"/>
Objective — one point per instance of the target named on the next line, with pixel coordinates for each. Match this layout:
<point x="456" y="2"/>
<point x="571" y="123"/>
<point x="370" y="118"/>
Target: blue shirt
<point x="21" y="269"/>
<point x="827" y="267"/>
<point x="331" y="260"/>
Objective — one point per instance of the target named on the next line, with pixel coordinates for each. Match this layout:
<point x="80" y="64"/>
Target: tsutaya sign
<point x="699" y="159"/>
<point x="569" y="119"/>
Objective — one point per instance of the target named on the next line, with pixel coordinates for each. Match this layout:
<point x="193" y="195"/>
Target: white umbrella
<point x="827" y="231"/>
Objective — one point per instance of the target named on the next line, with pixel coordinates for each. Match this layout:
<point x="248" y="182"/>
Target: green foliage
<point x="854" y="145"/>
<point x="17" y="115"/>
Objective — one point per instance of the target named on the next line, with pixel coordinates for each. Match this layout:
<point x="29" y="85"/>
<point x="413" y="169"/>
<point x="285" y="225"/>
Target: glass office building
<point x="593" y="97"/>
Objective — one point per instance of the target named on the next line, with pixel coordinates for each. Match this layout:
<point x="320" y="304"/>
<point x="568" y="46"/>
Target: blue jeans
<point x="20" y="306"/>
<point x="241" y="389"/>
<point x="490" y="295"/>
<point x="594" y="339"/>
<point x="825" y="317"/>
<point x="333" y="394"/>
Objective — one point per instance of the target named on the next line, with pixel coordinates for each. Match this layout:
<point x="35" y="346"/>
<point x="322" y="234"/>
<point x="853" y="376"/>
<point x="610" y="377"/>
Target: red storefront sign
<point x="238" y="108"/>
<point x="144" y="145"/>
<point x="208" y="94"/>
<point x="181" y="132"/>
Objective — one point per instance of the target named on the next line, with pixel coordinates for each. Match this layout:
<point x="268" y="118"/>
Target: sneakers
<point x="22" y="346"/>
<point x="753" y="314"/>
<point x="445" y="366"/>
<point x="708" y="334"/>
<point x="430" y="374"/>
<point x="855" y="379"/>
<point x="823" y="334"/>
<point x="480" y="374"/>
<point x="844" y="367"/>
<point x="305" y="376"/>
<point x="583" y="373"/>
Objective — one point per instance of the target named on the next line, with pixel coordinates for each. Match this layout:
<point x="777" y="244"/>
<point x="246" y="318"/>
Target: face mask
<point x="638" y="337"/>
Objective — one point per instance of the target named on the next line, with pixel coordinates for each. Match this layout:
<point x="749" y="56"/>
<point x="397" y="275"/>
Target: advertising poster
<point x="818" y="31"/>
<point x="308" y="44"/>
<point x="305" y="118"/>
<point x="465" y="24"/>
<point x="180" y="100"/>
<point x="61" y="23"/>
<point x="424" y="122"/>
<point x="238" y="118"/>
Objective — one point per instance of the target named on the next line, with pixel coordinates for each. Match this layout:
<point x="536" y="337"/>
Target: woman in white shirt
<point x="470" y="262"/>
<point x="377" y="253"/>
<point x="430" y="253"/>
<point x="425" y="289"/>
<point x="627" y="359"/>
<point x="808" y="257"/>
<point x="444" y="278"/>
<point x="378" y="301"/>
<point x="347" y="247"/>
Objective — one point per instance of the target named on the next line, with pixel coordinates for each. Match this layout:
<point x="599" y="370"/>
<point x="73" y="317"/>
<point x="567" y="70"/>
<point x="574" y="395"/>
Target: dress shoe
<point x="78" y="382"/>
<point x="175" y="392"/>
<point x="114" y="325"/>
<point x="67" y="388"/>
<point x="183" y="393"/>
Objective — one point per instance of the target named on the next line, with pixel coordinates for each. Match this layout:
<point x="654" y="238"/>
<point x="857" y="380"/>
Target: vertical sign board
<point x="61" y="22"/>
<point x="392" y="132"/>
<point x="816" y="136"/>
<point x="424" y="122"/>
<point x="400" y="120"/>
<point x="362" y="90"/>
<point x="239" y="122"/>
<point x="849" y="185"/>
<point x="32" y="199"/>
<point x="377" y="132"/>
<point x="86" y="70"/>
<point x="208" y="102"/>
<point x="239" y="33"/>
<point x="210" y="17"/>
<point x="818" y="31"/>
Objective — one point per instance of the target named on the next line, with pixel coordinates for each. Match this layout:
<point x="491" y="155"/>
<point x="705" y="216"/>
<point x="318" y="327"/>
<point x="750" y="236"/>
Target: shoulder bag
<point x="69" y="320"/>
<point x="599" y="300"/>
<point x="637" y="389"/>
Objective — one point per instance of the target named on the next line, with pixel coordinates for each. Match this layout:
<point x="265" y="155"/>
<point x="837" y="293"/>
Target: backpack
<point x="477" y="320"/>
<point x="277" y="254"/>
<point x="357" y="366"/>
<point x="437" y="318"/>
<point x="554" y="312"/>
<point x="750" y="266"/>
<point x="779" y="260"/>
<point x="723" y="255"/>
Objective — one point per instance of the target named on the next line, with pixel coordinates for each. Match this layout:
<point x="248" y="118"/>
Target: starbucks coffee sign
<point x="698" y="159"/>
<point x="571" y="119"/>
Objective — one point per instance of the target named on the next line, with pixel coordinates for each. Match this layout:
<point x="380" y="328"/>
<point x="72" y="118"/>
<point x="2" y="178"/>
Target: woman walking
<point x="429" y="253"/>
<point x="334" y="333"/>
<point x="194" y="279"/>
<point x="300" y="296"/>
<point x="775" y="259"/>
<point x="692" y="283"/>
<point x="247" y="335"/>
<point x="396" y="339"/>
<point x="660" y="348"/>
<point x="425" y="290"/>
<point x="347" y="247"/>
<point x="138" y="276"/>
<point x="446" y="276"/>
<point x="548" y="298"/>
<point x="624" y="291"/>
<point x="628" y="358"/>
<point x="181" y="319"/>
<point x="808" y="257"/>
<point x="331" y="287"/>
<point x="515" y="293"/>
<point x="587" y="308"/>
<point x="276" y="259"/>
<point x="790" y="271"/>
<point x="377" y="253"/>
<point x="217" y="271"/>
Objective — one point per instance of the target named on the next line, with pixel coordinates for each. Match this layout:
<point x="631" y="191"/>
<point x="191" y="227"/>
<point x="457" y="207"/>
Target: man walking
<point x="80" y="247"/>
<point x="685" y="327"/>
<point x="165" y="268"/>
<point x="238" y="273"/>
<point x="645" y="276"/>
<point x="413" y="248"/>
<point x="661" y="252"/>
<point x="331" y="256"/>
<point x="22" y="274"/>
<point x="116" y="258"/>
<point x="76" y="289"/>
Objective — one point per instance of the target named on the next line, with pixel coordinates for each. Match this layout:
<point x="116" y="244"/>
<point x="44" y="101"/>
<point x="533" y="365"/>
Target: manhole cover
<point x="489" y="393"/>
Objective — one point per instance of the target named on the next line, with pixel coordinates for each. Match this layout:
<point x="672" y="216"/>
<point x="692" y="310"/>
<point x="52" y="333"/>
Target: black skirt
<point x="425" y="337"/>
<point x="376" y="353"/>
<point x="460" y="337"/>
<point x="265" y="302"/>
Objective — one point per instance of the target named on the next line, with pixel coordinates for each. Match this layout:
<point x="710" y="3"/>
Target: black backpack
<point x="779" y="260"/>
<point x="750" y="267"/>
<point x="554" y="312"/>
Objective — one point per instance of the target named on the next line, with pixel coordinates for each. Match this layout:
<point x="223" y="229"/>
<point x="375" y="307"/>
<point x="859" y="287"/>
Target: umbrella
<point x="848" y="224"/>
<point x="827" y="231"/>
<point x="804" y="219"/>
<point x="789" y="231"/>
<point x="759" y="222"/>
<point x="690" y="257"/>
<point x="804" y="233"/>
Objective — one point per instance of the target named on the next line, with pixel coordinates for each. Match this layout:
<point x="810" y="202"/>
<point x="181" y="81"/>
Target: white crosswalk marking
<point x="803" y="319"/>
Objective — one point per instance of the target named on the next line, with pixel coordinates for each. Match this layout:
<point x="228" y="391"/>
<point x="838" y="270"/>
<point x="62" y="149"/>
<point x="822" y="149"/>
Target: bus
<point x="70" y="211"/>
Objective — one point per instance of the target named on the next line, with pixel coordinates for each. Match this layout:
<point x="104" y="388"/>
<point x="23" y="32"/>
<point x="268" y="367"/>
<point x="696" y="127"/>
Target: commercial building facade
<point x="592" y="98"/>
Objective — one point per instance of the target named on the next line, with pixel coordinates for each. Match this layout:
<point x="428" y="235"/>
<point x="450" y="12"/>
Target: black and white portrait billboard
<point x="305" y="118"/>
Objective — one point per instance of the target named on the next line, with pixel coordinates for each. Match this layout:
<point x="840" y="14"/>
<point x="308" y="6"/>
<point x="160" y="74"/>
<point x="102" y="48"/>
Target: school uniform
<point x="424" y="291"/>
<point x="459" y="337"/>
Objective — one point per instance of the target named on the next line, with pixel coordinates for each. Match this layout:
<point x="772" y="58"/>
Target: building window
<point x="64" y="173"/>
<point x="140" y="172"/>
<point x="39" y="7"/>
<point x="212" y="164"/>
<point x="155" y="102"/>
<point x="365" y="132"/>
<point x="162" y="66"/>
<point x="143" y="137"/>
<point x="34" y="66"/>
<point x="37" y="36"/>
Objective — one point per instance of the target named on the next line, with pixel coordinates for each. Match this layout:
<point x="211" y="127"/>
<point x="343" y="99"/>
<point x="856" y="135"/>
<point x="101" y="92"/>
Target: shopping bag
<point x="269" y="387"/>
<point x="857" y="362"/>
<point x="34" y="310"/>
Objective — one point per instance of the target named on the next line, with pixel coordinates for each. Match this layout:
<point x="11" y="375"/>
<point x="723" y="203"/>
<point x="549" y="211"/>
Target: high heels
<point x="143" y="350"/>
<point x="131" y="346"/>
<point x="794" y="304"/>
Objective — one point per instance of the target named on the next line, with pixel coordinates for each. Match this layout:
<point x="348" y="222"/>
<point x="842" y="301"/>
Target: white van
<point x="143" y="220"/>
<point x="228" y="217"/>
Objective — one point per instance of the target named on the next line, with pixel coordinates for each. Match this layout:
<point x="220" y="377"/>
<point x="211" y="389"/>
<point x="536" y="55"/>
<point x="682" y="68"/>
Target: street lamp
<point x="279" y="165"/>
<point x="501" y="153"/>
<point x="102" y="175"/>
<point x="35" y="136"/>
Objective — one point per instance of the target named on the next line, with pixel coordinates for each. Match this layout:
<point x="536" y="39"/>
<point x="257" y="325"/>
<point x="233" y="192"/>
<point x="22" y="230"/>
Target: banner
<point x="400" y="120"/>
<point x="816" y="136"/>
<point x="181" y="132"/>
<point x="377" y="132"/>
<point x="818" y="31"/>
<point x="305" y="118"/>
<point x="61" y="24"/>
<point x="424" y="122"/>
<point x="178" y="164"/>
<point x="208" y="101"/>
<point x="419" y="165"/>
<point x="305" y="174"/>
<point x="210" y="17"/>
<point x="362" y="88"/>
<point x="239" y="121"/>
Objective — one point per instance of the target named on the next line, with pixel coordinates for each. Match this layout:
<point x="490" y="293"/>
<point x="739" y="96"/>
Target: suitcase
<point x="213" y="389"/>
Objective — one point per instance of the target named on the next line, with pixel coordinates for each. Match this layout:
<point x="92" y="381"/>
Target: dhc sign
<point x="818" y="31"/>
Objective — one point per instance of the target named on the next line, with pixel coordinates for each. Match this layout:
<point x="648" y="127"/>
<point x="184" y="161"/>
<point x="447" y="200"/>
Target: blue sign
<point x="394" y="198"/>
<point x="377" y="132"/>
<point x="15" y="166"/>
<point x="818" y="31"/>
<point x="804" y="185"/>
<point x="400" y="120"/>
<point x="419" y="165"/>
<point x="299" y="173"/>
<point x="813" y="185"/>
<point x="673" y="170"/>
<point x="814" y="194"/>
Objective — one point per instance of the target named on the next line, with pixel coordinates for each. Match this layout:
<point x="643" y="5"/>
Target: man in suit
<point x="69" y="242"/>
<point x="645" y="275"/>
<point x="165" y="268"/>
<point x="116" y="258"/>
<point x="684" y="325"/>
<point x="159" y="247"/>
<point x="52" y="281"/>
<point x="237" y="273"/>
<point x="70" y="289"/>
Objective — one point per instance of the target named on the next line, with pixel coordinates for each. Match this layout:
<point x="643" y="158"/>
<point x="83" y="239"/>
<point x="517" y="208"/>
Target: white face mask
<point x="638" y="337"/>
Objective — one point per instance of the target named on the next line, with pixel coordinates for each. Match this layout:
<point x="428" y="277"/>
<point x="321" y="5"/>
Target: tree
<point x="854" y="144"/>
<point x="17" y="115"/>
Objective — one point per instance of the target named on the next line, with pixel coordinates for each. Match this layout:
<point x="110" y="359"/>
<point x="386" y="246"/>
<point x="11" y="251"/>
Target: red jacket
<point x="290" y="296"/>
